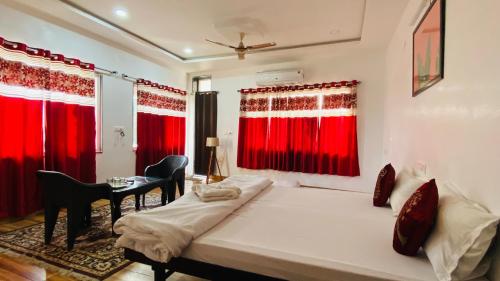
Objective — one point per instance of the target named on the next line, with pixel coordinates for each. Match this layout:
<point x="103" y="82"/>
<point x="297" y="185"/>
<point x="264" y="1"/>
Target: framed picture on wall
<point x="428" y="48"/>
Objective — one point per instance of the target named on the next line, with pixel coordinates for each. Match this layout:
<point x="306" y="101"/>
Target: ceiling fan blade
<point x="221" y="44"/>
<point x="261" y="46"/>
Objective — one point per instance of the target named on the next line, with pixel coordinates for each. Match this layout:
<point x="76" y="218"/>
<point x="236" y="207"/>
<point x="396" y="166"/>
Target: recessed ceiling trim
<point x="104" y="22"/>
<point x="138" y="38"/>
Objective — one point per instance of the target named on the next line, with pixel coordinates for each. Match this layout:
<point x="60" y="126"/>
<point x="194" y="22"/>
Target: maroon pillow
<point x="385" y="183"/>
<point x="416" y="219"/>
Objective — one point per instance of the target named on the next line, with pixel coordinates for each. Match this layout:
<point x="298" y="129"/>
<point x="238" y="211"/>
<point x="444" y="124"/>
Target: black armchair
<point x="62" y="191"/>
<point x="172" y="168"/>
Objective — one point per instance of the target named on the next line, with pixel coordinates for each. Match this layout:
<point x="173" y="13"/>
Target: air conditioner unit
<point x="280" y="77"/>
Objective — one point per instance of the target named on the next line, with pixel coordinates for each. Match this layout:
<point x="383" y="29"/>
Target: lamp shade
<point x="212" y="142"/>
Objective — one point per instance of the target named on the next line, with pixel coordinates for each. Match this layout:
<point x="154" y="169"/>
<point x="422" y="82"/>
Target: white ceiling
<point x="178" y="24"/>
<point x="174" y="25"/>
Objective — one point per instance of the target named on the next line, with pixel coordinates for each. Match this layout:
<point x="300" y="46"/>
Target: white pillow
<point x="406" y="184"/>
<point x="461" y="237"/>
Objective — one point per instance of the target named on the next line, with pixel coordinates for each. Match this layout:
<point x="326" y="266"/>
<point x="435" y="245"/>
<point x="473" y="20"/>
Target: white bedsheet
<point x="163" y="233"/>
<point x="310" y="234"/>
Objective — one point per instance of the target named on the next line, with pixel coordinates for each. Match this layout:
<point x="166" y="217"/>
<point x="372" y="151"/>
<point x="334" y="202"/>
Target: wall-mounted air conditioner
<point x="280" y="77"/>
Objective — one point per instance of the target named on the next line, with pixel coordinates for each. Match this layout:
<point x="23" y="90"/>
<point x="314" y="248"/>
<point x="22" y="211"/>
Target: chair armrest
<point x="153" y="170"/>
<point x="100" y="188"/>
<point x="96" y="186"/>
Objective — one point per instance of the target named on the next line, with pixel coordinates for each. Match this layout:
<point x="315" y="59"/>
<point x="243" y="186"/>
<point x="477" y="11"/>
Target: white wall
<point x="118" y="158"/>
<point x="452" y="127"/>
<point x="367" y="66"/>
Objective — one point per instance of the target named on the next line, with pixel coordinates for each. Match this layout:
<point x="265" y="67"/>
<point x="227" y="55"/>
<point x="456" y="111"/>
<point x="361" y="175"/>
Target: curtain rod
<point x="105" y="71"/>
<point x="129" y="78"/>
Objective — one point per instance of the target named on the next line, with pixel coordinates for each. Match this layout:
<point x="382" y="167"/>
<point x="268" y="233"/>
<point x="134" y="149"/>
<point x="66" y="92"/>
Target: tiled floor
<point x="11" y="269"/>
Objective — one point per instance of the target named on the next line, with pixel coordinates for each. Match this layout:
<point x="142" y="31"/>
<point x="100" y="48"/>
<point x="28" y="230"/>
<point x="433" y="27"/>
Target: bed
<point x="299" y="234"/>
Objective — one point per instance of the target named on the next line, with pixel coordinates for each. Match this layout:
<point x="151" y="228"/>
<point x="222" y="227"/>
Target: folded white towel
<point x="219" y="198"/>
<point x="229" y="185"/>
<point x="208" y="193"/>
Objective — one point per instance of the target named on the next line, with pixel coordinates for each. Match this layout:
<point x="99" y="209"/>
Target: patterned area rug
<point x="94" y="256"/>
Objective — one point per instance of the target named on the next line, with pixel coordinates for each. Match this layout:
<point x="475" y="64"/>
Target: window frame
<point x="196" y="83"/>
<point x="98" y="90"/>
<point x="134" y="118"/>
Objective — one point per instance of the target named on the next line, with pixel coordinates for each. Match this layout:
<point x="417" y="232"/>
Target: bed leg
<point x="160" y="274"/>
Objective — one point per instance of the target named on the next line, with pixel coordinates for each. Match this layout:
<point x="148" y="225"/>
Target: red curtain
<point x="252" y="143"/>
<point x="309" y="129"/>
<point x="174" y="133"/>
<point x="278" y="144"/>
<point x="70" y="140"/>
<point x="161" y="124"/>
<point x="303" y="138"/>
<point x="338" y="146"/>
<point x="21" y="155"/>
<point x="292" y="144"/>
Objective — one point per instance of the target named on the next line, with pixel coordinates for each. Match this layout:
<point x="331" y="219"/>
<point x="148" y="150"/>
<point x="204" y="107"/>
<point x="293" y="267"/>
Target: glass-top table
<point x="139" y="185"/>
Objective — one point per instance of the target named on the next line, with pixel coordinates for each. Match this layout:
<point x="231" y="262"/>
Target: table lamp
<point x="212" y="143"/>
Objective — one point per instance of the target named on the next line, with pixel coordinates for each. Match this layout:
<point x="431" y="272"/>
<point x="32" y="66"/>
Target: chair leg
<point x="73" y="221"/>
<point x="181" y="183"/>
<point x="144" y="200"/>
<point x="51" y="213"/>
<point x="164" y="193"/>
<point x="171" y="186"/>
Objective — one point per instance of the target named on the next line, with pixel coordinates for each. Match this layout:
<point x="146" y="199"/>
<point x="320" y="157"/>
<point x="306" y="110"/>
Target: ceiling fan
<point x="242" y="49"/>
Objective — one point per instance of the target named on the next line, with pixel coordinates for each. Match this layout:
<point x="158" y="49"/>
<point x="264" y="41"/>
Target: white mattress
<point x="310" y="234"/>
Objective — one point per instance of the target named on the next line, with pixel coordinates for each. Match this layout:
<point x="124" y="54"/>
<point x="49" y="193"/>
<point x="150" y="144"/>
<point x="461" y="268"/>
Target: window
<point x="98" y="113"/>
<point x="202" y="84"/>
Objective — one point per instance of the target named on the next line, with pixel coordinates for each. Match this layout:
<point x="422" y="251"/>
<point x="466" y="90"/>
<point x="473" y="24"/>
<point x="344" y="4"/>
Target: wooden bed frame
<point x="194" y="268"/>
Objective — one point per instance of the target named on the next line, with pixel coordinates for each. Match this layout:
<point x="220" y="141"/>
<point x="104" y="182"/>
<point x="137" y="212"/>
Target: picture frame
<point x="428" y="48"/>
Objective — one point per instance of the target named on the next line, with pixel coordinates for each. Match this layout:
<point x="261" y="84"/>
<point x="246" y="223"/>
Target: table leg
<point x="137" y="201"/>
<point x="116" y="211"/>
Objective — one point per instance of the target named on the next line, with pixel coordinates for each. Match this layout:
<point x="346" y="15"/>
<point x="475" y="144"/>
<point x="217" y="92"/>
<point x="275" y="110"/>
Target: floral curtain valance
<point x="160" y="99"/>
<point x="326" y="99"/>
<point x="43" y="75"/>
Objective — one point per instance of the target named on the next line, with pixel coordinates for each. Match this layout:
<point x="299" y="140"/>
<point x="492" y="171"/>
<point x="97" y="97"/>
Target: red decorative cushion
<point x="385" y="183"/>
<point x="416" y="219"/>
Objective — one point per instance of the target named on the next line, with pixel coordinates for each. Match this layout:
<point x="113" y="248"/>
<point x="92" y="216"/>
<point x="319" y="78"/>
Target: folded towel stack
<point x="222" y="191"/>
